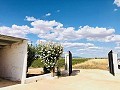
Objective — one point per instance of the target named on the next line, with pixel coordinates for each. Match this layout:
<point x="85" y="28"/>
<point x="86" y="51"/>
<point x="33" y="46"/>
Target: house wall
<point x="13" y="61"/>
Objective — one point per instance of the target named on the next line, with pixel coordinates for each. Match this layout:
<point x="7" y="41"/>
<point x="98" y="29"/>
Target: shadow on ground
<point x="32" y="75"/>
<point x="5" y="83"/>
<point x="74" y="73"/>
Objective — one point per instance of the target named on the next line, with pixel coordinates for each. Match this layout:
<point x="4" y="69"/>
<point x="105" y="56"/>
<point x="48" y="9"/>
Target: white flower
<point x="48" y="51"/>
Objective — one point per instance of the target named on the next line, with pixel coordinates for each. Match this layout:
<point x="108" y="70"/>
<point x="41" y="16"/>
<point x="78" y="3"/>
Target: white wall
<point x="115" y="62"/>
<point x="67" y="62"/>
<point x="13" y="61"/>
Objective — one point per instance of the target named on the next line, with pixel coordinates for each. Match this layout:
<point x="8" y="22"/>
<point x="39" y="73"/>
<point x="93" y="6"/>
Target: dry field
<point x="93" y="64"/>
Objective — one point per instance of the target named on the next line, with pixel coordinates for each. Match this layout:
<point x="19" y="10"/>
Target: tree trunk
<point x="53" y="72"/>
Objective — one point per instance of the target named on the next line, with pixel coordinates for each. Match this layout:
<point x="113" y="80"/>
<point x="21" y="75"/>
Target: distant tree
<point x="50" y="54"/>
<point x="31" y="55"/>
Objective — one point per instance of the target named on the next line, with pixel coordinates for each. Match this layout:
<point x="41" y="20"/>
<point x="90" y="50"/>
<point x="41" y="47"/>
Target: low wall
<point x="38" y="78"/>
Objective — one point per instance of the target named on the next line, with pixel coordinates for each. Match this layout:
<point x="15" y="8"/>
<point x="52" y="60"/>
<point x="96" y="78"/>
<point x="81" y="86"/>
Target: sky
<point x="87" y="28"/>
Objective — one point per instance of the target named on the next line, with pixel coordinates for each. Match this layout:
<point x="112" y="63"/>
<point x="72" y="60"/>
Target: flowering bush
<point x="50" y="53"/>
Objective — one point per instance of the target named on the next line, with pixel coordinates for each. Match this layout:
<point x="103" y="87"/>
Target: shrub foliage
<point x="31" y="55"/>
<point x="49" y="53"/>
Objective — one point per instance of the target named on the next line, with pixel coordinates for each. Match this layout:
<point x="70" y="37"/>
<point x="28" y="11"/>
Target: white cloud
<point x="51" y="36"/>
<point x="28" y="18"/>
<point x="86" y="49"/>
<point x="58" y="10"/>
<point x="39" y="41"/>
<point x="117" y="2"/>
<point x="53" y="30"/>
<point x="95" y="48"/>
<point x="44" y="28"/>
<point x="70" y="34"/>
<point x="79" y="45"/>
<point x="47" y="29"/>
<point x="95" y="34"/>
<point x="91" y="32"/>
<point x="112" y="38"/>
<point x="48" y="14"/>
<point x="17" y="31"/>
<point x="118" y="44"/>
<point x="117" y="47"/>
<point x="115" y="9"/>
<point x="46" y="25"/>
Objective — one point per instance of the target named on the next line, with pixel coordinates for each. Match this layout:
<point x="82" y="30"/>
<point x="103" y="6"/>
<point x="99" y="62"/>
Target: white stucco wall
<point x="13" y="61"/>
<point x="115" y="62"/>
<point x="67" y="62"/>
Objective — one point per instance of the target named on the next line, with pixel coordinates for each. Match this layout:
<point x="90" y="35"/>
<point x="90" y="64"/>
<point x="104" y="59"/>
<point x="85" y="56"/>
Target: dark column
<point x="70" y="63"/>
<point x="111" y="65"/>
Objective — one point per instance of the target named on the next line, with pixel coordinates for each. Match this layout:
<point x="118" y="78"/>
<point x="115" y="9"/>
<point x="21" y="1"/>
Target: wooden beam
<point x="4" y="43"/>
<point x="1" y="46"/>
<point x="10" y="38"/>
<point x="7" y="41"/>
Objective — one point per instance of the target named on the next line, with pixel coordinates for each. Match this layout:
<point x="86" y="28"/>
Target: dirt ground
<point x="5" y="83"/>
<point x="83" y="79"/>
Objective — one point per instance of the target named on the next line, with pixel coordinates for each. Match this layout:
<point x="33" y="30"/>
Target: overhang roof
<point x="8" y="40"/>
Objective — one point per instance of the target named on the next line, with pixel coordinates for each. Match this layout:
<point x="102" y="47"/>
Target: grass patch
<point x="37" y="64"/>
<point x="61" y="62"/>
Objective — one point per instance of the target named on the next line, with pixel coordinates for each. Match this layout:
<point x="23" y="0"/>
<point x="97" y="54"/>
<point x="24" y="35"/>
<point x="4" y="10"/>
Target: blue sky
<point x="88" y="28"/>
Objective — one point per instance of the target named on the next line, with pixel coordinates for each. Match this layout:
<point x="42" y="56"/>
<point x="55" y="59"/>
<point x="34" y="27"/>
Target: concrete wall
<point x="68" y="62"/>
<point x="115" y="62"/>
<point x="13" y="61"/>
